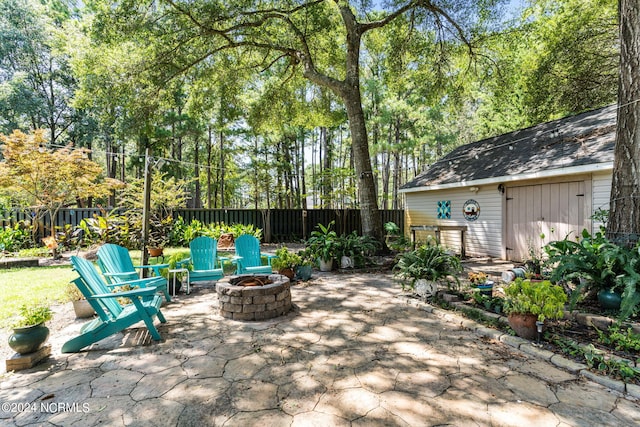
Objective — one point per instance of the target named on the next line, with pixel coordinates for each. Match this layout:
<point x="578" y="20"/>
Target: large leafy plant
<point x="323" y="242"/>
<point x="542" y="299"/>
<point x="597" y="264"/>
<point x="430" y="262"/>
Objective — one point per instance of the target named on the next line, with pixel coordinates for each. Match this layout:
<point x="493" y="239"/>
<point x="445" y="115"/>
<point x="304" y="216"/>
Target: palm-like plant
<point x="430" y="262"/>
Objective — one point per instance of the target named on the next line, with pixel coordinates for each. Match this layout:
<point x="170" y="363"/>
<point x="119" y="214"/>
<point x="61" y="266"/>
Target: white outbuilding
<point x="496" y="197"/>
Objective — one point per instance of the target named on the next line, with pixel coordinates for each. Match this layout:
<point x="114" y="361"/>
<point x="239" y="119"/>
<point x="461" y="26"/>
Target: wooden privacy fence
<point x="278" y="225"/>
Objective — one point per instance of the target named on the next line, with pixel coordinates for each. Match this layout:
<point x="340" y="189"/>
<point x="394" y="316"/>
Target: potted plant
<point x="303" y="270"/>
<point x="29" y="331"/>
<point x="595" y="263"/>
<point x="481" y="281"/>
<point x="528" y="305"/>
<point x="428" y="262"/>
<point x="354" y="250"/>
<point x="286" y="262"/>
<point x="323" y="244"/>
<point x="159" y="229"/>
<point x="81" y="306"/>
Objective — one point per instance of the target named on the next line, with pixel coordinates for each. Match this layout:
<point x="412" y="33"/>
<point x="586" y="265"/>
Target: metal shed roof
<point x="548" y="148"/>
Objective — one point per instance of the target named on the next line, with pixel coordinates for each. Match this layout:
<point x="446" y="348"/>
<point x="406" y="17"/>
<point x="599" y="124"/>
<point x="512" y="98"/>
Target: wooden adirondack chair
<point x="112" y="317"/>
<point x="116" y="266"/>
<point x="204" y="260"/>
<point x="249" y="258"/>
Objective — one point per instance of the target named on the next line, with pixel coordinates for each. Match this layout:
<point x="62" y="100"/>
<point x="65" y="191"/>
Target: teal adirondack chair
<point x="112" y="317"/>
<point x="249" y="258"/>
<point x="204" y="260"/>
<point x="116" y="266"/>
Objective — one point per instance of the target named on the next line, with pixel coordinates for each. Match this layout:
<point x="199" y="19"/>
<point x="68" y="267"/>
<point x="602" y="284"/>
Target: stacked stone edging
<point x="254" y="302"/>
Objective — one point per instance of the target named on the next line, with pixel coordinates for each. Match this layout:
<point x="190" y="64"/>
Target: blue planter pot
<point x="609" y="300"/>
<point x="486" y="288"/>
<point x="28" y="339"/>
<point x="303" y="272"/>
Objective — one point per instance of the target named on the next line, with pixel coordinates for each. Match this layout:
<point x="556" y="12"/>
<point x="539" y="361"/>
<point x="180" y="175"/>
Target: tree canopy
<point x="283" y="103"/>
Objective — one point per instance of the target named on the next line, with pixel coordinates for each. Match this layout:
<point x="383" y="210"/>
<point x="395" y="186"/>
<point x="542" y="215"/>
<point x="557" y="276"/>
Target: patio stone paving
<point x="354" y="352"/>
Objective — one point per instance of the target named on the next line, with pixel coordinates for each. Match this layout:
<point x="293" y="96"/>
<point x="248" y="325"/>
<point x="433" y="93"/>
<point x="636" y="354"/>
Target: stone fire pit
<point x="253" y="296"/>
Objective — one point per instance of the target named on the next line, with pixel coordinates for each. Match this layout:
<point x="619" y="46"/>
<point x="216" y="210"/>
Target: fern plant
<point x="430" y="262"/>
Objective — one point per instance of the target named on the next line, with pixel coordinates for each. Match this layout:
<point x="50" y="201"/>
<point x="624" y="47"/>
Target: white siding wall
<point x="601" y="191"/>
<point x="484" y="235"/>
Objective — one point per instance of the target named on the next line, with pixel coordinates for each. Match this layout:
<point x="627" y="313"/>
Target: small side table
<point x="174" y="271"/>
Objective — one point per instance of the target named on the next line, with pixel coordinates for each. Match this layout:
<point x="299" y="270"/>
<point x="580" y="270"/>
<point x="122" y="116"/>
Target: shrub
<point x="14" y="238"/>
<point x="430" y="262"/>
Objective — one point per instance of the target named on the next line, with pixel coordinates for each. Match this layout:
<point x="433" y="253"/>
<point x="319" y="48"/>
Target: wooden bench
<point x="436" y="229"/>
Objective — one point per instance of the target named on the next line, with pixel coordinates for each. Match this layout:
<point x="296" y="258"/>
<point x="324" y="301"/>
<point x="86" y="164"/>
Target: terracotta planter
<point x="155" y="252"/>
<point x="288" y="272"/>
<point x="524" y="325"/>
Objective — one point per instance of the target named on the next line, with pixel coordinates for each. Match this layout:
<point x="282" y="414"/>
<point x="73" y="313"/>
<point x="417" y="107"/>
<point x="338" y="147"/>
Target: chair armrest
<point x="118" y="274"/>
<point x="147" y="281"/>
<point x="179" y="264"/>
<point x="132" y="293"/>
<point x="155" y="267"/>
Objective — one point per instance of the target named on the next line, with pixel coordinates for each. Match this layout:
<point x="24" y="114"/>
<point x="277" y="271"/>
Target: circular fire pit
<point x="253" y="296"/>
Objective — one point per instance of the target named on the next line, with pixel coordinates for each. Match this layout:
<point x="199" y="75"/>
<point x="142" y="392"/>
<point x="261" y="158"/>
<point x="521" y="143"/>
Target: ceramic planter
<point x="303" y="272"/>
<point x="326" y="265"/>
<point x="609" y="300"/>
<point x="486" y="288"/>
<point x="83" y="309"/>
<point x="524" y="325"/>
<point x="29" y="338"/>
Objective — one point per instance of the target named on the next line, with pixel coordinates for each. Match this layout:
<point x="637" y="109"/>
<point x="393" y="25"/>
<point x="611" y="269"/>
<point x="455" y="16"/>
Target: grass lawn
<point x="32" y="285"/>
<point x="48" y="285"/>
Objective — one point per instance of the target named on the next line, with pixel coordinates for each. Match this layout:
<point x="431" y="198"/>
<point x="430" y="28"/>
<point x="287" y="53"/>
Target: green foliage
<point x="285" y="259"/>
<point x="73" y="293"/>
<point x="323" y="242"/>
<point x="33" y="315"/>
<point x="110" y="227"/>
<point x="598" y="361"/>
<point x="392" y="228"/>
<point x="430" y="262"/>
<point x="15" y="238"/>
<point x="625" y="340"/>
<point x="543" y="299"/>
<point x="601" y="264"/>
<point x="359" y="248"/>
<point x="183" y="233"/>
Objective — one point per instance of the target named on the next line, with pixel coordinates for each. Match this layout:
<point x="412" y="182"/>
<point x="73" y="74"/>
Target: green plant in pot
<point x="304" y="270"/>
<point x="81" y="306"/>
<point x="427" y="262"/>
<point x="323" y="244"/>
<point x="29" y="331"/>
<point x="596" y="263"/>
<point x="529" y="304"/>
<point x="286" y="262"/>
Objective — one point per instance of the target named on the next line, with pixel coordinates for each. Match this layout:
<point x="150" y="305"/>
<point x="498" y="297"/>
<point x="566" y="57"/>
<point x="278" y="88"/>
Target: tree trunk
<point x="209" y="157"/>
<point x="371" y="222"/>
<point x="197" y="196"/>
<point x="624" y="215"/>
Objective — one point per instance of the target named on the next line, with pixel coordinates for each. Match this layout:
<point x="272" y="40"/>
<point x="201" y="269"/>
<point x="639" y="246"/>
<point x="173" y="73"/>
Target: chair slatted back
<point x="204" y="253"/>
<point x="248" y="247"/>
<point x="116" y="259"/>
<point x="91" y="283"/>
